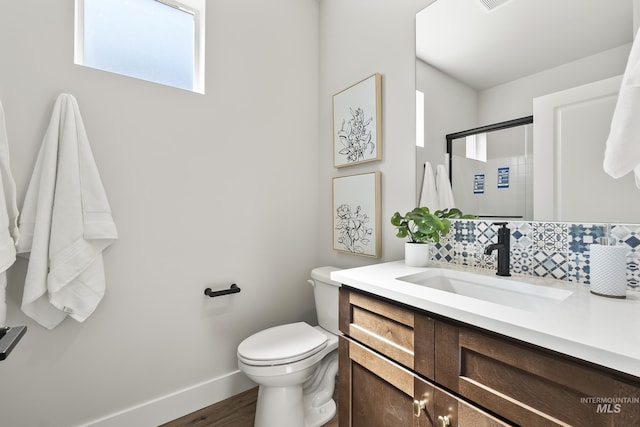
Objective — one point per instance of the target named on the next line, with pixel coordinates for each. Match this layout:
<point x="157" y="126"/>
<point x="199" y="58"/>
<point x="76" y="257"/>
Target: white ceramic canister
<point x="608" y="270"/>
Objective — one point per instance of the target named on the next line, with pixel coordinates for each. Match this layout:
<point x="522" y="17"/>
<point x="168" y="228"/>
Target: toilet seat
<point x="282" y="345"/>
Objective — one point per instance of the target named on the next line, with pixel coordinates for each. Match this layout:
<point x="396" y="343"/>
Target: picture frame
<point x="357" y="123"/>
<point x="356" y="214"/>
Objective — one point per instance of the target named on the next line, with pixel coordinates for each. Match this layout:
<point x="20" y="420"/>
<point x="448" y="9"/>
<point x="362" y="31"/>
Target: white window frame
<point x="194" y="7"/>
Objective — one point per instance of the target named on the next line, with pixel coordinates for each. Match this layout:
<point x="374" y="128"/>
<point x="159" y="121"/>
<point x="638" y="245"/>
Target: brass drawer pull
<point x="444" y="420"/>
<point x="418" y="405"/>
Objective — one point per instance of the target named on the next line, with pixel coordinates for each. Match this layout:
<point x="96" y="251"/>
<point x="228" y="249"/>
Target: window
<point x="153" y="40"/>
<point x="476" y="147"/>
<point x="419" y="119"/>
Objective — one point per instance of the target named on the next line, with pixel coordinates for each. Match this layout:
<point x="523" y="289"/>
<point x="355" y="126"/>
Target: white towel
<point x="443" y="186"/>
<point x="428" y="193"/>
<point x="622" y="152"/>
<point x="65" y="223"/>
<point x="9" y="234"/>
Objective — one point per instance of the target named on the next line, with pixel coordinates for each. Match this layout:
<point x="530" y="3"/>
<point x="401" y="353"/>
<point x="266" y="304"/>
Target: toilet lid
<point x="282" y="344"/>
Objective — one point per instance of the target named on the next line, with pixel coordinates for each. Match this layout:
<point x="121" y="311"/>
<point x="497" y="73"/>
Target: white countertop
<point x="604" y="331"/>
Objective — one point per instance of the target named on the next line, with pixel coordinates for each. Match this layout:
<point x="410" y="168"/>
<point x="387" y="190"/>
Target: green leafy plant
<point x="422" y="226"/>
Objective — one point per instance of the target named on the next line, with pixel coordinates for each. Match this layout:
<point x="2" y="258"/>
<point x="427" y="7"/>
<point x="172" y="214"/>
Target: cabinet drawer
<point x="525" y="384"/>
<point x="389" y="329"/>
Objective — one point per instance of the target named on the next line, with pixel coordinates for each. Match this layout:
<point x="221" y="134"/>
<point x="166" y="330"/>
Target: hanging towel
<point x="428" y="193"/>
<point x="65" y="223"/>
<point x="622" y="152"/>
<point x="9" y="233"/>
<point x="443" y="186"/>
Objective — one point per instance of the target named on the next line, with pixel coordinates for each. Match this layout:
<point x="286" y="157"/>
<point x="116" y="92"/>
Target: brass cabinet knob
<point x="418" y="405"/>
<point x="444" y="420"/>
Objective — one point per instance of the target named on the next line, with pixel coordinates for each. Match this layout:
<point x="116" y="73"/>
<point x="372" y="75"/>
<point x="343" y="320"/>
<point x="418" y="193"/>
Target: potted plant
<point x="424" y="229"/>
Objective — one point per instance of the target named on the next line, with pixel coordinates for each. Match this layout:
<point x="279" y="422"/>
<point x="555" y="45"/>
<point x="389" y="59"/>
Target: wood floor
<point x="236" y="411"/>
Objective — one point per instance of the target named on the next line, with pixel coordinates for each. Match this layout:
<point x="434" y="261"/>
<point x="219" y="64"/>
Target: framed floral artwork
<point x="357" y="123"/>
<point x="356" y="214"/>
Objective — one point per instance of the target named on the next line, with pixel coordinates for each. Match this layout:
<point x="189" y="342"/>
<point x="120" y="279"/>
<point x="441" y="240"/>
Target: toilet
<point x="296" y="364"/>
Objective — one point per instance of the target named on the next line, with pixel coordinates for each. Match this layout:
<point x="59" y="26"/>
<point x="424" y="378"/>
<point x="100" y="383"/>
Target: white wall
<point x="359" y="38"/>
<point x="206" y="190"/>
<point x="515" y="99"/>
<point x="450" y="106"/>
<point x="234" y="185"/>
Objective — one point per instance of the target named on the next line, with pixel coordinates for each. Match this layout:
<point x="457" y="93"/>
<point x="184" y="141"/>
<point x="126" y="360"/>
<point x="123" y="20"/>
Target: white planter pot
<point x="417" y="254"/>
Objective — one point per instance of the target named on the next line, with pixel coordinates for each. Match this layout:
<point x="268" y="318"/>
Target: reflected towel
<point x="9" y="234"/>
<point x="65" y="223"/>
<point x="428" y="193"/>
<point x="443" y="185"/>
<point x="622" y="152"/>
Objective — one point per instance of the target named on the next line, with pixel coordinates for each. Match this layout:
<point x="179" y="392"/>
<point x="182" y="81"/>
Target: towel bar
<point x="234" y="289"/>
<point x="9" y="337"/>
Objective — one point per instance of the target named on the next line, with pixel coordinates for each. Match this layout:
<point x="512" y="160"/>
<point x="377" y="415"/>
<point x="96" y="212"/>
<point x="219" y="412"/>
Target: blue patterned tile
<point x="633" y="271"/>
<point x="465" y="254"/>
<point x="464" y="231"/>
<point x="556" y="250"/>
<point x="520" y="261"/>
<point x="550" y="236"/>
<point x="582" y="235"/>
<point x="578" y="267"/>
<point x="549" y="263"/>
<point x="485" y="233"/>
<point x="521" y="235"/>
<point x="444" y="251"/>
<point x="627" y="234"/>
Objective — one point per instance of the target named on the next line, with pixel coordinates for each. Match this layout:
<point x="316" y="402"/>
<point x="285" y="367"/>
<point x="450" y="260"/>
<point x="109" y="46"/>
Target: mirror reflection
<point x="477" y="66"/>
<point x="493" y="170"/>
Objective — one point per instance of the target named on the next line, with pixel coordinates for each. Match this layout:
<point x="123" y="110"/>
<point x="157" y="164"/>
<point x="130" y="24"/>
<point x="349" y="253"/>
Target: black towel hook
<point x="233" y="289"/>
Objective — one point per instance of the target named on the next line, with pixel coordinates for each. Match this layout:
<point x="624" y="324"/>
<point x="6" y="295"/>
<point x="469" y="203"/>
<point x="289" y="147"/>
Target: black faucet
<point x="503" y="247"/>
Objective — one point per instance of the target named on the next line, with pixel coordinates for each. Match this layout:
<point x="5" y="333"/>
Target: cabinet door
<point x="373" y="391"/>
<point x="527" y="385"/>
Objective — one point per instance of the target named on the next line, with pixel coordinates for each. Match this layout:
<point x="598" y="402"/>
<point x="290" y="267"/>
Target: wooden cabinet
<point x="386" y="361"/>
<point x="376" y="392"/>
<point x="529" y="385"/>
<point x="395" y="357"/>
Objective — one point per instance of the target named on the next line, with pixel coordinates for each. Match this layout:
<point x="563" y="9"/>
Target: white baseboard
<point x="177" y="404"/>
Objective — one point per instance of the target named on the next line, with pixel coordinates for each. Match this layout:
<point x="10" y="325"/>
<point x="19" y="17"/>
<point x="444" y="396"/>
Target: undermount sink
<point x="499" y="290"/>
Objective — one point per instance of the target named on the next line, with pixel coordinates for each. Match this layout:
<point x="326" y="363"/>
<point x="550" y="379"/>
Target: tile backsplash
<point x="554" y="249"/>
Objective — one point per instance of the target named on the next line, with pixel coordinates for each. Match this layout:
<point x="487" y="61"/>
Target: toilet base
<point x="320" y="415"/>
<point x="319" y="406"/>
<point x="279" y="406"/>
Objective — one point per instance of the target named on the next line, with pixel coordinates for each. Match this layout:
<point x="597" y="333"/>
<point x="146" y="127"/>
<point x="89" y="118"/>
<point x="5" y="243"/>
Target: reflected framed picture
<point x="356" y="214"/>
<point x="357" y="123"/>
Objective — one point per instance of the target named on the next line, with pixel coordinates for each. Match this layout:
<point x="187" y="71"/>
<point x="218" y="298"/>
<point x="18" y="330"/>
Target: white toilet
<point x="296" y="364"/>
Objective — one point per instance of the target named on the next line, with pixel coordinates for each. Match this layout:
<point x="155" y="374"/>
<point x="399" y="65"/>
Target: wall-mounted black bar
<point x="234" y="289"/>
<point x="9" y="337"/>
<point x="482" y="129"/>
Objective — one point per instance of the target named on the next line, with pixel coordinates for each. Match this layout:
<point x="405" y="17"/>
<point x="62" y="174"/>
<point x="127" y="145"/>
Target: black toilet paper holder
<point x="233" y="289"/>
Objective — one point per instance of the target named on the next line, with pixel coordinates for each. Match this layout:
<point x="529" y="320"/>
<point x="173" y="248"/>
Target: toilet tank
<point x="325" y="292"/>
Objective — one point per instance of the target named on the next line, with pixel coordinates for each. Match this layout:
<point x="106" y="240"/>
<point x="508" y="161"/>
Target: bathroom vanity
<point x="415" y="352"/>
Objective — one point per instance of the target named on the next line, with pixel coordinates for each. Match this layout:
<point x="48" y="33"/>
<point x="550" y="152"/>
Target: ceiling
<point x="486" y="48"/>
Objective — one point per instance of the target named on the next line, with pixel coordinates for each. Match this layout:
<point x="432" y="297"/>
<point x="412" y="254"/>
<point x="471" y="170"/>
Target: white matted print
<point x="356" y="214"/>
<point x="357" y="123"/>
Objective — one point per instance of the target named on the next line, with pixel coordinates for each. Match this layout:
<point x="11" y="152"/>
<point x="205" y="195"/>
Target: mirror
<point x="493" y="167"/>
<point x="477" y="65"/>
